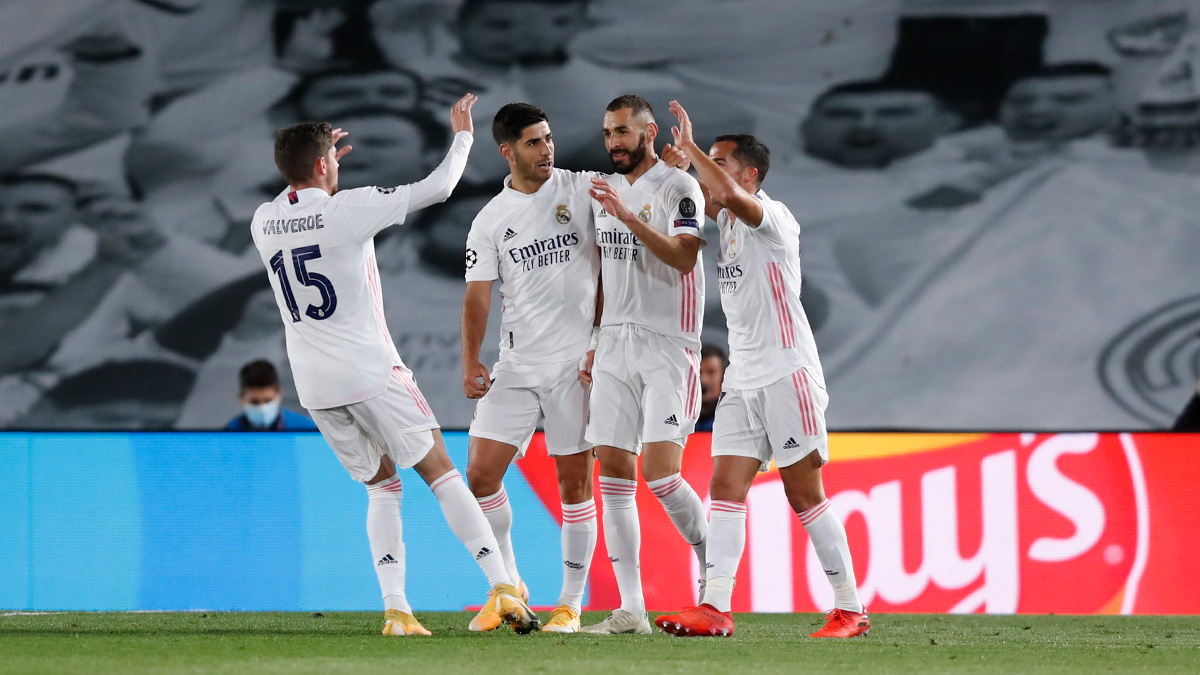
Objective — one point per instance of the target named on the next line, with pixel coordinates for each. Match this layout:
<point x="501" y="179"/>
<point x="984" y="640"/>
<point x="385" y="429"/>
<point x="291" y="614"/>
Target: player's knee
<point x="804" y="499"/>
<point x="483" y="481"/>
<point x="574" y="489"/>
<point x="729" y="489"/>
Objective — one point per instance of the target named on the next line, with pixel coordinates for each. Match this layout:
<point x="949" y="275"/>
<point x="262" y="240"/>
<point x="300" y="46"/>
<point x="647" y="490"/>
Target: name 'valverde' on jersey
<point x="320" y="257"/>
<point x="638" y="287"/>
<point x="758" y="270"/>
<point x="542" y="248"/>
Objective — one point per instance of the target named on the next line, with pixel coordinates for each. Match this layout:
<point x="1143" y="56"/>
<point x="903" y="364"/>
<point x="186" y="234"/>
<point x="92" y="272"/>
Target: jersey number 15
<point x="300" y="256"/>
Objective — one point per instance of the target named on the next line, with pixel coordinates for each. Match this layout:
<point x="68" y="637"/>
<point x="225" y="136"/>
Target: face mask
<point x="264" y="415"/>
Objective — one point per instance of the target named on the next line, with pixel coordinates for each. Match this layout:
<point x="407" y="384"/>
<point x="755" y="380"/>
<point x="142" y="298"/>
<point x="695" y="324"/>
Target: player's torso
<point x="326" y="285"/>
<point x="638" y="287"/>
<point x="758" y="274"/>
<point x="548" y="266"/>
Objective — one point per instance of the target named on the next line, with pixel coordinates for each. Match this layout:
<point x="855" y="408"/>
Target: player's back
<point x="638" y="287"/>
<point x="320" y="258"/>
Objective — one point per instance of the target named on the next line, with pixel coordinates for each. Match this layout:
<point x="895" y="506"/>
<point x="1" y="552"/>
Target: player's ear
<point x="321" y="167"/>
<point x="506" y="151"/>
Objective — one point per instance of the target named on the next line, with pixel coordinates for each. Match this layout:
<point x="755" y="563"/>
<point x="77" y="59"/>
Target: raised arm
<point x="437" y="186"/>
<point x="720" y="189"/>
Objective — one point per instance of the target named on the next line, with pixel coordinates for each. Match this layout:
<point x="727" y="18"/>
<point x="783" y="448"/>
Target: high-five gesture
<point x="460" y="114"/>
<point x="339" y="134"/>
<point x="682" y="132"/>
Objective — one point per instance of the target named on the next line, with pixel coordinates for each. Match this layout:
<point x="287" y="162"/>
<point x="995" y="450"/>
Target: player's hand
<point x="674" y="157"/>
<point x="611" y="201"/>
<point x="460" y="114"/>
<point x="339" y="134"/>
<point x="682" y="132"/>
<point x="585" y="366"/>
<point x="476" y="380"/>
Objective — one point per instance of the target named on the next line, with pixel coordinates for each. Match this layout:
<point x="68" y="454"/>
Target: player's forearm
<point x="438" y="185"/>
<point x="671" y="250"/>
<point x="720" y="185"/>
<point x="474" y="327"/>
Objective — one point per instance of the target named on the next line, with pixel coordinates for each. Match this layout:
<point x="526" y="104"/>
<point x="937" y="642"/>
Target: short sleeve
<point x="685" y="208"/>
<point x="777" y="226"/>
<point x="483" y="258"/>
<point x="365" y="211"/>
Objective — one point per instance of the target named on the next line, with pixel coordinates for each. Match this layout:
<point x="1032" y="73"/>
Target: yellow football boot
<point x="562" y="620"/>
<point x="487" y="618"/>
<point x="396" y="622"/>
<point x="512" y="610"/>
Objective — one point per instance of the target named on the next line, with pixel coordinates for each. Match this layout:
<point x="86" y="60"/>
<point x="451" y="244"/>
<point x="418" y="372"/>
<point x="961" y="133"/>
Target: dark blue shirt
<point x="287" y="421"/>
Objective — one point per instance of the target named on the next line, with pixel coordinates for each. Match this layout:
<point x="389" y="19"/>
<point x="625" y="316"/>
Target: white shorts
<point x="784" y="420"/>
<point x="645" y="389"/>
<point x="509" y="411"/>
<point x="397" y="423"/>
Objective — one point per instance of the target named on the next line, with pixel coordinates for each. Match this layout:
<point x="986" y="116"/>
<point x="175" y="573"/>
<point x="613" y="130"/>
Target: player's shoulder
<point x="359" y="196"/>
<point x="680" y="180"/>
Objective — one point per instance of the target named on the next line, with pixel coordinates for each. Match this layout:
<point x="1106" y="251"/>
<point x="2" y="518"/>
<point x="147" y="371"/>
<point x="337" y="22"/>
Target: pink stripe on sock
<point x="728" y="507"/>
<point x="664" y="490"/>
<point x="494" y="502"/>
<point x="815" y="512"/>
<point x="439" y="483"/>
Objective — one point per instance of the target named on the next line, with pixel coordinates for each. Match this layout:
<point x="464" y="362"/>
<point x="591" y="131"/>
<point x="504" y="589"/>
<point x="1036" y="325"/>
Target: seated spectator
<point x="325" y="95"/>
<point x="120" y="395"/>
<point x="262" y="402"/>
<point x="713" y="363"/>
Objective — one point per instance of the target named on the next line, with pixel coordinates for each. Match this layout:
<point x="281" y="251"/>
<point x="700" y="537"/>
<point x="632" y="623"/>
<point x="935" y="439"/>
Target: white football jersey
<point x="542" y="248"/>
<point x="320" y="257"/>
<point x="638" y="287"/>
<point x="758" y="270"/>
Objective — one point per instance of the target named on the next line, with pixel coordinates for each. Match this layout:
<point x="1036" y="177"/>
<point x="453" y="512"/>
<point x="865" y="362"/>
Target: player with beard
<point x="316" y="245"/>
<point x="646" y="370"/>
<point x="538" y="238"/>
<point x="773" y="396"/>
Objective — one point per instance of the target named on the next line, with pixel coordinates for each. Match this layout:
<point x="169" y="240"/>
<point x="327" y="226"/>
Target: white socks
<point x="726" y="542"/>
<point x="623" y="536"/>
<point x="686" y="510"/>
<point x="385" y="533"/>
<point x="465" y="518"/>
<point x="499" y="515"/>
<point x="578" y="544"/>
<point x="829" y="539"/>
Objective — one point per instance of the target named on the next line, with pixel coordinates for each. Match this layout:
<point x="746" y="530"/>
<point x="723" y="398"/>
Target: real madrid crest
<point x="563" y="214"/>
<point x="733" y="247"/>
<point x="644" y="216"/>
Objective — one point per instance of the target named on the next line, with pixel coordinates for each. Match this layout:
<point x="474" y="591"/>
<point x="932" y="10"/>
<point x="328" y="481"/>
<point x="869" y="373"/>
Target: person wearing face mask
<point x="261" y="398"/>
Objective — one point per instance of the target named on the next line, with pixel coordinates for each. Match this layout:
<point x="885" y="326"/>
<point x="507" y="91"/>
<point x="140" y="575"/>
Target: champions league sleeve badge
<point x="687" y="207"/>
<point x="472" y="258"/>
<point x="562" y="214"/>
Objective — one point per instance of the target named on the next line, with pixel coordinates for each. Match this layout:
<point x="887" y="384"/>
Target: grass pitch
<point x="262" y="643"/>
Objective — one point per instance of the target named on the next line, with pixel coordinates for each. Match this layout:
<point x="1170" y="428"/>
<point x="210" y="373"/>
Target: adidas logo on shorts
<point x="672" y="421"/>
<point x="386" y="560"/>
<point x="509" y="234"/>
<point x="791" y="444"/>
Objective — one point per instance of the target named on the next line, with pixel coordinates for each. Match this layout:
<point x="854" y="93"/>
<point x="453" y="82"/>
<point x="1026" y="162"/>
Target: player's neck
<point x="526" y="185"/>
<point x="642" y="167"/>
<point x="304" y="185"/>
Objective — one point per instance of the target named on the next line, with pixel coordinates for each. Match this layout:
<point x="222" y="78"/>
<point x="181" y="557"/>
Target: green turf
<point x="262" y="643"/>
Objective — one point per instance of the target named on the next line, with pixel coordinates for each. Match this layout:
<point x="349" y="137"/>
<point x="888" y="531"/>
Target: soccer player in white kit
<point x="646" y="371"/>
<point x="538" y="238"/>
<point x="773" y="397"/>
<point x="316" y="243"/>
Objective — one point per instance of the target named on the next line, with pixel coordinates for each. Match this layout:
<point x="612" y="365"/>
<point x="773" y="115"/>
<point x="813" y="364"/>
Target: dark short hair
<point x="258" y="374"/>
<point x="137" y="380"/>
<point x="305" y="85"/>
<point x="512" y="119"/>
<point x="870" y="87"/>
<point x="298" y="147"/>
<point x="12" y="179"/>
<point x="633" y="102"/>
<point x="1069" y="69"/>
<point x="707" y="351"/>
<point x="749" y="151"/>
<point x="433" y="133"/>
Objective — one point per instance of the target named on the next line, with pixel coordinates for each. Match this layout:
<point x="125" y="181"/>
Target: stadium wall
<point x="999" y="523"/>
